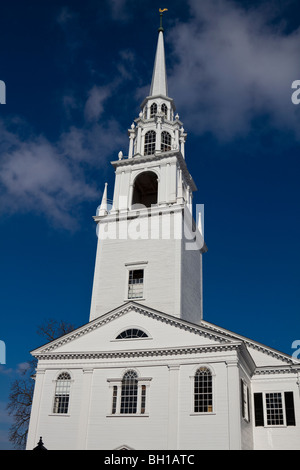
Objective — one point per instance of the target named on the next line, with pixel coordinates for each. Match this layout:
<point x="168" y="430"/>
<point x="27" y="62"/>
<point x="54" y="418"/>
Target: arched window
<point x="132" y="333"/>
<point x="153" y="110"/>
<point x="150" y="139"/>
<point x="62" y="393"/>
<point x="145" y="189"/>
<point x="203" y="396"/>
<point x="164" y="109"/>
<point x="129" y="393"/>
<point x="165" y="141"/>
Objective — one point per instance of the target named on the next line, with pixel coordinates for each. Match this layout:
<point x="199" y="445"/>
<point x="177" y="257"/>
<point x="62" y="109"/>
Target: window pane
<point x="129" y="393"/>
<point x="132" y="333"/>
<point x="153" y="110"/>
<point x="203" y="391"/>
<point x="274" y="409"/>
<point x="150" y="139"/>
<point x="135" y="284"/>
<point x="114" y="403"/>
<point x="165" y="141"/>
<point x="62" y="392"/>
<point x="143" y="399"/>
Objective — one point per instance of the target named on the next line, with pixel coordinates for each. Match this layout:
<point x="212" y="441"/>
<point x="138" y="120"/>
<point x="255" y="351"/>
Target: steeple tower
<point x="159" y="78"/>
<point x="149" y="247"/>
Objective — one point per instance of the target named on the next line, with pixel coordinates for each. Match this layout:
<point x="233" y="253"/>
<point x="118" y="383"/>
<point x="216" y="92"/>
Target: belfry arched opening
<point x="145" y="189"/>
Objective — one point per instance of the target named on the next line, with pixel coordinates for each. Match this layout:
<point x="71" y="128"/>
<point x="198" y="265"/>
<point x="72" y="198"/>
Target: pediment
<point x="162" y="330"/>
<point x="165" y="334"/>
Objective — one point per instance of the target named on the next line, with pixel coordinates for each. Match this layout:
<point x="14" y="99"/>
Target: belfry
<point x="147" y="371"/>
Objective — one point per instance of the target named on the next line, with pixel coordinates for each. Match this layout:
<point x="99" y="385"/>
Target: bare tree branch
<point x="21" y="392"/>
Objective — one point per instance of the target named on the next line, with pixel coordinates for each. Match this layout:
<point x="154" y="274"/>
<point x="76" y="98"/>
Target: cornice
<point x="271" y="370"/>
<point x="158" y="156"/>
<point x="145" y="353"/>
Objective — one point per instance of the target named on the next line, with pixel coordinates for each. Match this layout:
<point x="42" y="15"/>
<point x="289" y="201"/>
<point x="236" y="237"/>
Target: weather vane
<point x="161" y="15"/>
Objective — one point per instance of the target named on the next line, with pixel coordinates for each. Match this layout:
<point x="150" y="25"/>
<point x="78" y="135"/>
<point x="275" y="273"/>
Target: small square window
<point x="136" y="284"/>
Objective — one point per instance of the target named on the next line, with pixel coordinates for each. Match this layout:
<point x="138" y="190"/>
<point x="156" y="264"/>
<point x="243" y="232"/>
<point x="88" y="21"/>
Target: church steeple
<point x="143" y="237"/>
<point x="159" y="78"/>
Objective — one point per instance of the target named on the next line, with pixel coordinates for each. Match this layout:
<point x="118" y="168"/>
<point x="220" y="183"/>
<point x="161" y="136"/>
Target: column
<point x="33" y="434"/>
<point x="139" y="139"/>
<point x="180" y="198"/>
<point x="173" y="406"/>
<point x="87" y="376"/>
<point x="131" y="133"/>
<point x="158" y="135"/>
<point x="233" y="393"/>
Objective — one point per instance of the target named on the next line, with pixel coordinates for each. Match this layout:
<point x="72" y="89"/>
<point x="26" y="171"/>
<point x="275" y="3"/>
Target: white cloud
<point x="94" y="105"/>
<point x="35" y="178"/>
<point x="233" y="65"/>
<point x="50" y="178"/>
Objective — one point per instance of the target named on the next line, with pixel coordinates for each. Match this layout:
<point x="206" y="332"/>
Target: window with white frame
<point x="132" y="333"/>
<point x="165" y="141"/>
<point x="153" y="110"/>
<point x="129" y="394"/>
<point x="203" y="393"/>
<point x="150" y="140"/>
<point x="136" y="284"/>
<point x="164" y="109"/>
<point x="62" y="393"/>
<point x="274" y="409"/>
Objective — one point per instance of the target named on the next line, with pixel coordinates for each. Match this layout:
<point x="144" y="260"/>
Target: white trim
<point x="132" y="266"/>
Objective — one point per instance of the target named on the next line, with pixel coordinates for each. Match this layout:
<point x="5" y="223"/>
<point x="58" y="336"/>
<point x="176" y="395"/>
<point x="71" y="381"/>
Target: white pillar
<point x="33" y="434"/>
<point x="87" y="377"/>
<point x="173" y="407"/>
<point x="233" y="393"/>
<point x="131" y="133"/>
<point x="139" y="140"/>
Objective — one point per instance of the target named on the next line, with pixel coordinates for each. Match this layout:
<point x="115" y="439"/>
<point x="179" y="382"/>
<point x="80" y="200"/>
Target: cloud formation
<point x="233" y="65"/>
<point x="50" y="178"/>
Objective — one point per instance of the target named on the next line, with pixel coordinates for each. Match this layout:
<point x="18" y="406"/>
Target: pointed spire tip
<point x="161" y="11"/>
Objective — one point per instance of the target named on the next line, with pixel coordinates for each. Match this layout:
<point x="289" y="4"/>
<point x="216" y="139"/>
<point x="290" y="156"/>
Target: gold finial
<point x="161" y="15"/>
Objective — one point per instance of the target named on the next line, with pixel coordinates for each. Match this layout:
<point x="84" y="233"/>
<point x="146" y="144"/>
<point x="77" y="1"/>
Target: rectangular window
<point x="143" y="399"/>
<point x="61" y="404"/>
<point x="274" y="409"/>
<point x="136" y="284"/>
<point x="114" y="401"/>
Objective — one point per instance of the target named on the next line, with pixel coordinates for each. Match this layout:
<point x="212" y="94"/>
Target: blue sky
<point x="75" y="74"/>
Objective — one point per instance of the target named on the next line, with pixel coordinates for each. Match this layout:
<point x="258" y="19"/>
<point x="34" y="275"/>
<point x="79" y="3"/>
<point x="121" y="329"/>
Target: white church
<point x="147" y="371"/>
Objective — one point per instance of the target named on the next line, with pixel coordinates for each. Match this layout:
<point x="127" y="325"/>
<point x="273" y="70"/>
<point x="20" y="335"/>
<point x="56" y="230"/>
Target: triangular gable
<point x="164" y="331"/>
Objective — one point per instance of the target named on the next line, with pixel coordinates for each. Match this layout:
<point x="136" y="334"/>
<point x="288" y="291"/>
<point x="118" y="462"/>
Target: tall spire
<point x="159" y="78"/>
